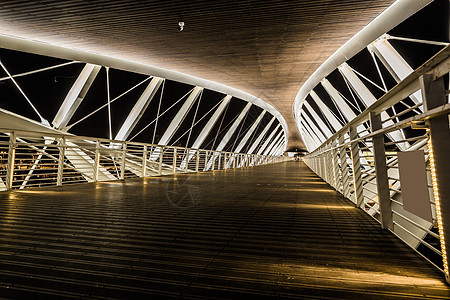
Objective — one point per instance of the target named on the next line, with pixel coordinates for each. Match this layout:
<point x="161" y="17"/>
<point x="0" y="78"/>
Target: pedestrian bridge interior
<point x="276" y="149"/>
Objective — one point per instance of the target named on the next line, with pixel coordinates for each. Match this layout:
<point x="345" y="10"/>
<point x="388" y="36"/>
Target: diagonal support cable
<point x="43" y="121"/>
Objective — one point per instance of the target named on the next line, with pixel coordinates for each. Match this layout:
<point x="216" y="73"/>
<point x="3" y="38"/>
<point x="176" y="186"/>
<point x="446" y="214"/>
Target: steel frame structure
<point x="93" y="159"/>
<point x="376" y="187"/>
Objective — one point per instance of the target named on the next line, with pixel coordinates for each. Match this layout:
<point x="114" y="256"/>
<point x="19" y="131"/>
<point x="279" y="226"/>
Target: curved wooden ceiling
<point x="266" y="48"/>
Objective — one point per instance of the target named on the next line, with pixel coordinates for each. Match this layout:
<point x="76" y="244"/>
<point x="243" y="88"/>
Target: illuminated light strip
<point x="438" y="206"/>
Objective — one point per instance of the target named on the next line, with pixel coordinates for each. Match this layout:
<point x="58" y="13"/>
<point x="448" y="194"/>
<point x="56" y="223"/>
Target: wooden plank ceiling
<point x="266" y="48"/>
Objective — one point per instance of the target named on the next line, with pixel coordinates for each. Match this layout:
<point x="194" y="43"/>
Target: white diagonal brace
<point x="394" y="63"/>
<point x="326" y="111"/>
<point x="340" y="102"/>
<point x="178" y="119"/>
<point x="248" y="135"/>
<point x="76" y="95"/>
<point x="233" y="128"/>
<point x="319" y="121"/>
<point x="310" y="143"/>
<point x="368" y="99"/>
<point x="273" y="143"/>
<point x="139" y="108"/>
<point x="260" y="137"/>
<point x="212" y="121"/>
<point x="207" y="129"/>
<point x="277" y="147"/>
<point x="313" y="126"/>
<point x="311" y="132"/>
<point x="249" y="132"/>
<point x="267" y="141"/>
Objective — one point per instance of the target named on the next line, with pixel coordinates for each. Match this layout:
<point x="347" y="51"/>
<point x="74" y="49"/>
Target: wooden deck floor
<point x="267" y="232"/>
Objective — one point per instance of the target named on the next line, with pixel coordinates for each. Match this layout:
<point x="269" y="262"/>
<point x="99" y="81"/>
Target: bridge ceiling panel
<point x="265" y="48"/>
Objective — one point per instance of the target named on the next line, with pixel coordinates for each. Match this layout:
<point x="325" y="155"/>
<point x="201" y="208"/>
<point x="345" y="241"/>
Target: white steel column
<point x="368" y="99"/>
<point x="207" y="129"/>
<point x="273" y="143"/>
<point x="394" y="63"/>
<point x="212" y="121"/>
<point x="267" y="141"/>
<point x="340" y="102"/>
<point x="326" y="111"/>
<point x="260" y="137"/>
<point x="313" y="126"/>
<point x="319" y="121"/>
<point x="75" y="95"/>
<point x="233" y="128"/>
<point x="312" y="134"/>
<point x="309" y="140"/>
<point x="139" y="108"/>
<point x="249" y="132"/>
<point x="176" y="122"/>
<point x="229" y="134"/>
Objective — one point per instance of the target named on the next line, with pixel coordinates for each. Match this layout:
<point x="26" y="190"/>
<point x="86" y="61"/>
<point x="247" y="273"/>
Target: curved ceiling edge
<point x="391" y="17"/>
<point x="41" y="48"/>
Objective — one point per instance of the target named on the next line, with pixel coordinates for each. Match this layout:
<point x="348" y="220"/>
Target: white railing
<point x="29" y="159"/>
<point x="361" y="160"/>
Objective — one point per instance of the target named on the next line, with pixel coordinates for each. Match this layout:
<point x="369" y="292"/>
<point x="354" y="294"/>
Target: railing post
<point x="124" y="161"/>
<point x="96" y="160"/>
<point x="335" y="162"/>
<point x="220" y="160"/>
<point x="174" y="161"/>
<point x="356" y="164"/>
<point x="11" y="160"/>
<point x="144" y="161"/>
<point x="213" y="159"/>
<point x="384" y="197"/>
<point x="224" y="160"/>
<point x="234" y="160"/>
<point x="433" y="94"/>
<point x="161" y="153"/>
<point x="344" y="166"/>
<point x="61" y="147"/>
<point x="187" y="160"/>
<point x="197" y="162"/>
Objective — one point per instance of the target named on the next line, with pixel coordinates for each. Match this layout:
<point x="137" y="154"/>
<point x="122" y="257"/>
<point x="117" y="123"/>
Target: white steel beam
<point x="327" y="112"/>
<point x="248" y="135"/>
<point x="277" y="147"/>
<point x="310" y="143"/>
<point x="311" y="132"/>
<point x="249" y="132"/>
<point x="226" y="138"/>
<point x="399" y="11"/>
<point x="212" y="121"/>
<point x="233" y="128"/>
<point x="313" y="126"/>
<point x="340" y="102"/>
<point x="273" y="143"/>
<point x="266" y="142"/>
<point x="206" y="130"/>
<point x="260" y="137"/>
<point x="176" y="122"/>
<point x="368" y="99"/>
<point x="394" y="63"/>
<point x="319" y="121"/>
<point x="139" y="108"/>
<point x="75" y="95"/>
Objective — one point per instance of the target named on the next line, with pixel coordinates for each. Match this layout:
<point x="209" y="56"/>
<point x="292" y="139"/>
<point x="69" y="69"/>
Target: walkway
<point x="270" y="231"/>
